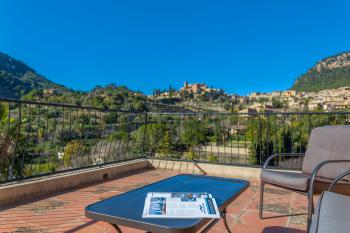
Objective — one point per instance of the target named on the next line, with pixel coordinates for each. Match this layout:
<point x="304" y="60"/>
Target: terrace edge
<point x="33" y="188"/>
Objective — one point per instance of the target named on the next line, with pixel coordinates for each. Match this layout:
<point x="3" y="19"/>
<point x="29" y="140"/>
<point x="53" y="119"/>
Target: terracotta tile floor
<point x="64" y="212"/>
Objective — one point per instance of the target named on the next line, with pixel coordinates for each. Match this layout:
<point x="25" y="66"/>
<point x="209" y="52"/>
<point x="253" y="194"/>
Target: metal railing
<point x="235" y="138"/>
<point x="40" y="138"/>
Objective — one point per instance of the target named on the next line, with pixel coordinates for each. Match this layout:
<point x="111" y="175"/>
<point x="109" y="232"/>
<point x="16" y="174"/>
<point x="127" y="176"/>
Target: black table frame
<point x="206" y="229"/>
<point x="208" y="223"/>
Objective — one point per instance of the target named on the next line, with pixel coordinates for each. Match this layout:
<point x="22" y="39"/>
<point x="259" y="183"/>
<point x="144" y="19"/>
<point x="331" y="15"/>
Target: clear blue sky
<point x="239" y="45"/>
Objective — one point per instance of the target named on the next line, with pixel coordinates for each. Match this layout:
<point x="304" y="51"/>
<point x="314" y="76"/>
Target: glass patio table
<point x="126" y="209"/>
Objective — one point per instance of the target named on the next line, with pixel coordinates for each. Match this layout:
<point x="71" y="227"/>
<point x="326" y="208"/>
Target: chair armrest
<point x="281" y="154"/>
<point x="341" y="176"/>
<point x="313" y="177"/>
<point x="317" y="169"/>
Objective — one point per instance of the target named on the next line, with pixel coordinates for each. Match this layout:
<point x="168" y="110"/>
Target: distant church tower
<point x="186" y="84"/>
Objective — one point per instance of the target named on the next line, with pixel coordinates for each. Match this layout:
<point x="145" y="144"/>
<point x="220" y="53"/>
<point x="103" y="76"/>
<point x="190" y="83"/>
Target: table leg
<point x="206" y="229"/>
<point x="117" y="228"/>
<point x="120" y="231"/>
<point x="224" y="217"/>
<point x="212" y="223"/>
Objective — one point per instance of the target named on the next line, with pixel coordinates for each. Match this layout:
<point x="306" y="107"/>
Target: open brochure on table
<point x="180" y="205"/>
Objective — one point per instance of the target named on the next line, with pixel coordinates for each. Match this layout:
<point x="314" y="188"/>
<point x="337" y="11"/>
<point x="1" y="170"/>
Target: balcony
<point x="56" y="159"/>
<point x="63" y="211"/>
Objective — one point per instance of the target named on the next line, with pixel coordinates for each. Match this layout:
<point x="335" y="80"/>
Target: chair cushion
<point x="293" y="180"/>
<point x="332" y="214"/>
<point x="327" y="143"/>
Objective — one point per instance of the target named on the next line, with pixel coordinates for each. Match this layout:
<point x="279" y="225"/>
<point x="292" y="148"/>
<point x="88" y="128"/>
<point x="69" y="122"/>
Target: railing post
<point x="145" y="135"/>
<point x="11" y="175"/>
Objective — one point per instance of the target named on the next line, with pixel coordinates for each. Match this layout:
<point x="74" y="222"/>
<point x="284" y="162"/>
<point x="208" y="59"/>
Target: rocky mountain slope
<point x="17" y="78"/>
<point x="331" y="72"/>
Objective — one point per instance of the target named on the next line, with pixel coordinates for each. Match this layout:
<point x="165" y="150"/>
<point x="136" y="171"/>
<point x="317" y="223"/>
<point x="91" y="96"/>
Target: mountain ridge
<point x="329" y="73"/>
<point x="17" y="78"/>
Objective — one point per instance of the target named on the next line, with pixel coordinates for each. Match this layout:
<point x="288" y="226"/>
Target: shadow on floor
<point x="284" y="215"/>
<point x="277" y="229"/>
<point x="81" y="227"/>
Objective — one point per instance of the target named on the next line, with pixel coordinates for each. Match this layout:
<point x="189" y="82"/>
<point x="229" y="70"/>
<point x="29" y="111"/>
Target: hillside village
<point x="199" y="94"/>
<point x="324" y="87"/>
<point x="326" y="100"/>
<point x="198" y="97"/>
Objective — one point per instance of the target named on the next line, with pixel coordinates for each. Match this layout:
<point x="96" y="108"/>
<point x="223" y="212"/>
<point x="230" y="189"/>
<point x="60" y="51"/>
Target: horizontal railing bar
<point x="248" y="114"/>
<point x="30" y="102"/>
<point x="2" y="99"/>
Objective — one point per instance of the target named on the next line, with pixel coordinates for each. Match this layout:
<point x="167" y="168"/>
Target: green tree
<point x="194" y="132"/>
<point x="166" y="145"/>
<point x="71" y="153"/>
<point x="276" y="103"/>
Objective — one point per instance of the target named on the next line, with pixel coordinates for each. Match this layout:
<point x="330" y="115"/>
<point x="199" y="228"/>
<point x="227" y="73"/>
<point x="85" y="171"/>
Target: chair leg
<point x="310" y="210"/>
<point x="261" y="205"/>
